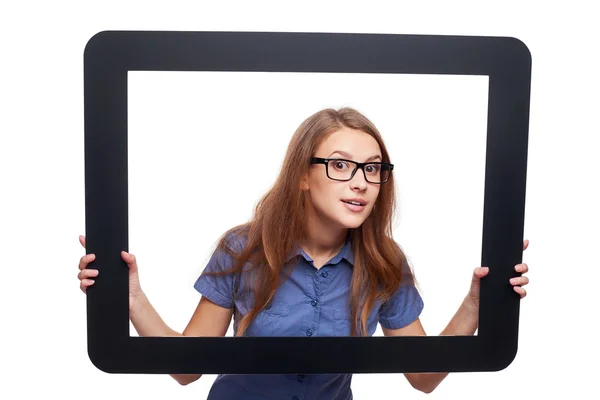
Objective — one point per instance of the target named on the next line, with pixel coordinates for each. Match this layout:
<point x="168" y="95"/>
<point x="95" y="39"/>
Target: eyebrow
<point x="347" y="155"/>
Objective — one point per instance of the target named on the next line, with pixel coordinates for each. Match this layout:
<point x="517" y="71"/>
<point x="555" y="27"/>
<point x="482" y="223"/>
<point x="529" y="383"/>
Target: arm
<point x="208" y="319"/>
<point x="464" y="322"/>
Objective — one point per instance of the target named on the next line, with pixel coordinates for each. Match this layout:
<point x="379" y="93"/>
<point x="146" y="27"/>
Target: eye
<point x="340" y="165"/>
<point x="372" y="168"/>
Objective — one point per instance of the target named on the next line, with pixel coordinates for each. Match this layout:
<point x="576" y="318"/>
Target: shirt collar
<point x="346" y="253"/>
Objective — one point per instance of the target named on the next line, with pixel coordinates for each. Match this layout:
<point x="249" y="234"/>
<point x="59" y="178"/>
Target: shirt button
<point x="300" y="378"/>
<point x="314" y="303"/>
<point x="324" y="274"/>
<point x="309" y="332"/>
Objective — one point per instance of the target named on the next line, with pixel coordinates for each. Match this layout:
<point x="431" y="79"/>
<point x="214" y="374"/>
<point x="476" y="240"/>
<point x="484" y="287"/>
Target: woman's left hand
<point x="517" y="282"/>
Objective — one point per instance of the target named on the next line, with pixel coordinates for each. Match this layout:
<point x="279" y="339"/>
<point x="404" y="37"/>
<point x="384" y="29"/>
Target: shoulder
<point x="234" y="240"/>
<point x="221" y="274"/>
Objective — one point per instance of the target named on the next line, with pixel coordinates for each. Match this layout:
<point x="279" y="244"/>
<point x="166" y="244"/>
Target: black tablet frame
<point x="108" y="57"/>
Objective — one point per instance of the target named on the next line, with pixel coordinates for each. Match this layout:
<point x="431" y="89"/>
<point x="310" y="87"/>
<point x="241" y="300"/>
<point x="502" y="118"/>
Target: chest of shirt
<point x="310" y="302"/>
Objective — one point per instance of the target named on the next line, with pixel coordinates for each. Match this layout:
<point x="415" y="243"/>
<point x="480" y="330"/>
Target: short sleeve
<point x="404" y="307"/>
<point x="218" y="288"/>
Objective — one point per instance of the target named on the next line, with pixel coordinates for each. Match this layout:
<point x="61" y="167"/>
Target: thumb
<point x="479" y="273"/>
<point x="130" y="260"/>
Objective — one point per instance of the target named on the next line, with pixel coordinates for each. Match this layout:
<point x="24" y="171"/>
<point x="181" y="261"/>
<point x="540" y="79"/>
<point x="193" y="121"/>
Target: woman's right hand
<point x="86" y="276"/>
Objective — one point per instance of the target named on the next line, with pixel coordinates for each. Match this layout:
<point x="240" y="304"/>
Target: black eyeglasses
<point x="339" y="169"/>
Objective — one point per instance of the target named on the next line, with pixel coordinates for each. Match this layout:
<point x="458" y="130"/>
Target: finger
<point x="525" y="244"/>
<point x="85" y="260"/>
<point x="522" y="268"/>
<point x="520" y="281"/>
<point x="130" y="260"/>
<point x="480" y="272"/>
<point x="85" y="284"/>
<point x="82" y="240"/>
<point x="87" y="273"/>
<point x="521" y="291"/>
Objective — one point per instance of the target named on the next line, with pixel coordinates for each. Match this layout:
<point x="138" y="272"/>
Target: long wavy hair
<point x="278" y="225"/>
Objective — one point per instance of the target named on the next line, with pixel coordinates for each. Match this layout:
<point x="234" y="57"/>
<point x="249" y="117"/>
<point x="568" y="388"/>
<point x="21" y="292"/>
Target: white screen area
<point x="203" y="147"/>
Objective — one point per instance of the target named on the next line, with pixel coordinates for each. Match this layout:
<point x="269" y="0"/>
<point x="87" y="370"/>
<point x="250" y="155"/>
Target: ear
<point x="304" y="182"/>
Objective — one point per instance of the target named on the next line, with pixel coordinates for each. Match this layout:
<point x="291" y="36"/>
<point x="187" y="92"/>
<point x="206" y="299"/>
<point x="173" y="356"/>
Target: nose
<point x="358" y="181"/>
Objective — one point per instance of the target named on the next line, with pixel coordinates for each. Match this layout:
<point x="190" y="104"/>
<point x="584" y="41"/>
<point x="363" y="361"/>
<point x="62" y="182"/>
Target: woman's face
<point x="329" y="199"/>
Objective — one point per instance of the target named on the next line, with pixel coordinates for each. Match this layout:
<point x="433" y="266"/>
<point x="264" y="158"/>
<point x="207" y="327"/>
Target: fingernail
<point x="90" y="257"/>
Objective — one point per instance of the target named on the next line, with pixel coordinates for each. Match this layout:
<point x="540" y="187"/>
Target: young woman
<point x="317" y="259"/>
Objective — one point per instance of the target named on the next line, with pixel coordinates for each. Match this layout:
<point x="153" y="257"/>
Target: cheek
<point x="376" y="196"/>
<point x="322" y="187"/>
<point x="325" y="195"/>
<point x="373" y="201"/>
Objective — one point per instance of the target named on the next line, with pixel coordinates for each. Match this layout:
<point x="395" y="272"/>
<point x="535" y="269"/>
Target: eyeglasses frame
<point x="361" y="166"/>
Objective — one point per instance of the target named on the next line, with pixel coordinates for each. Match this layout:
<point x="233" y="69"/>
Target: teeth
<point x="354" y="202"/>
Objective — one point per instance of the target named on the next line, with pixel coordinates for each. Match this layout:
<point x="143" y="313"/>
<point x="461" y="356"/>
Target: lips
<point x="356" y="202"/>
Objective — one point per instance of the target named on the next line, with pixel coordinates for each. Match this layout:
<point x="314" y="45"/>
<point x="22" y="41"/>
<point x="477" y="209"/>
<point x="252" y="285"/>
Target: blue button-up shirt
<point x="311" y="302"/>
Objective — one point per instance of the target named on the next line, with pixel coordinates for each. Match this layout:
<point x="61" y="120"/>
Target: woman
<point x="317" y="259"/>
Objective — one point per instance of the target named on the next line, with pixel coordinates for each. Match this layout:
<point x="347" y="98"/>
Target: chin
<point x="352" y="223"/>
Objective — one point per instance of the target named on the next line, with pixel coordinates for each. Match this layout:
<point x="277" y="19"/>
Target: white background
<point x="42" y="196"/>
<point x="205" y="146"/>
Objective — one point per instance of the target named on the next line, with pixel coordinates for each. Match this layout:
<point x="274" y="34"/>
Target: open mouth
<point x="354" y="202"/>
